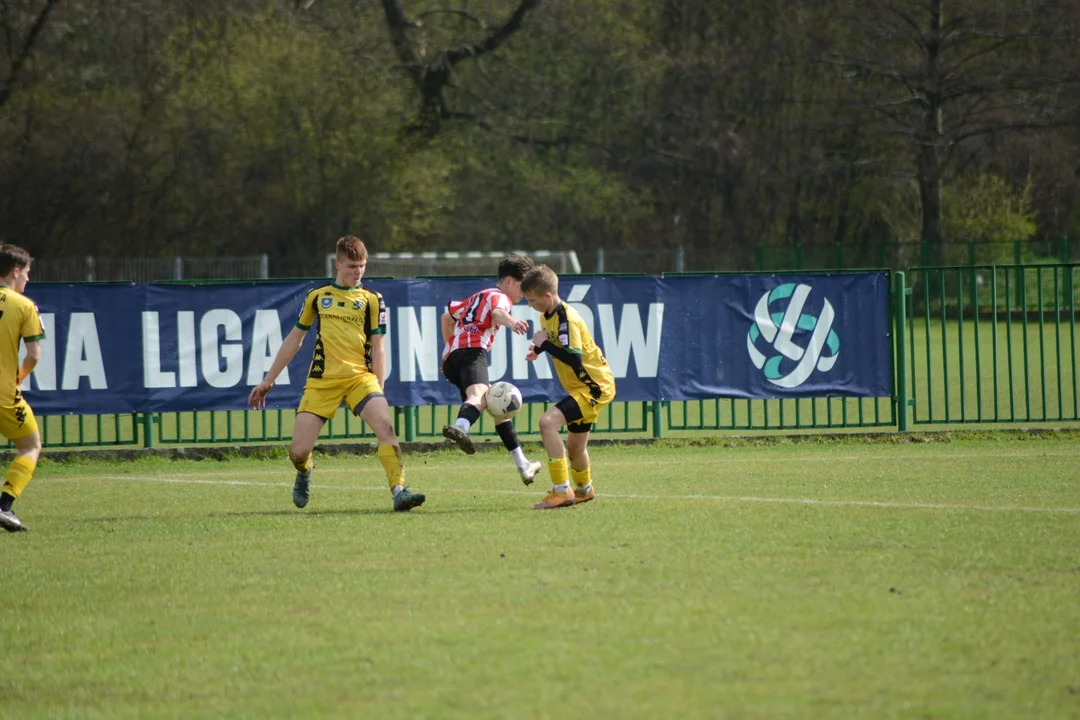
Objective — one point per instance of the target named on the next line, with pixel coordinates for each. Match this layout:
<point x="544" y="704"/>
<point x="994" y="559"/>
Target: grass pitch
<point x="843" y="579"/>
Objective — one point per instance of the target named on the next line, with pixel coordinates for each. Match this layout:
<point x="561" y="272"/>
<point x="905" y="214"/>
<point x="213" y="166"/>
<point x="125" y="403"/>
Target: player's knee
<point x="550" y="422"/>
<point x="384" y="430"/>
<point x="298" y="453"/>
<point x="576" y="447"/>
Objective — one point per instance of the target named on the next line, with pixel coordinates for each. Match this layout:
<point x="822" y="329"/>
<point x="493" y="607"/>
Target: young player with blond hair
<point x="348" y="363"/>
<point x="19" y="322"/>
<point x="583" y="372"/>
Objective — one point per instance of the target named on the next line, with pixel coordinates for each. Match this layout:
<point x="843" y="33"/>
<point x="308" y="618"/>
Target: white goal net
<point x="409" y="265"/>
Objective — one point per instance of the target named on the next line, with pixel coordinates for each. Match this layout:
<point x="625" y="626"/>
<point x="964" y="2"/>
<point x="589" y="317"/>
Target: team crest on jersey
<point x="326" y="302"/>
<point x="358" y="305"/>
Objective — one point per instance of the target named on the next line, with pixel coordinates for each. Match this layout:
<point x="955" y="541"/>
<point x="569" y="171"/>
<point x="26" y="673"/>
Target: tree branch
<point x="400" y="25"/>
<point x="497" y="38"/>
<point x="19" y="60"/>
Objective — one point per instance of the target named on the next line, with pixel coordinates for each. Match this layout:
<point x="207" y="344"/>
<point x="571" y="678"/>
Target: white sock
<point x="396" y="489"/>
<point x="463" y="425"/>
<point x="519" y="457"/>
<point x="561" y="489"/>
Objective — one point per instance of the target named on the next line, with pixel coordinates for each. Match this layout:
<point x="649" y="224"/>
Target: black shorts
<point x="465" y="367"/>
<point x="569" y="408"/>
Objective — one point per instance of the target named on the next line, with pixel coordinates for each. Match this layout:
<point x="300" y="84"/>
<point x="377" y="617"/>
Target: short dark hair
<point x="515" y="266"/>
<point x="352" y="248"/>
<point x="13" y="257"/>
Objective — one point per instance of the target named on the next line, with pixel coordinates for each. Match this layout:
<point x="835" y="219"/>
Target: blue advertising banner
<point x="114" y="348"/>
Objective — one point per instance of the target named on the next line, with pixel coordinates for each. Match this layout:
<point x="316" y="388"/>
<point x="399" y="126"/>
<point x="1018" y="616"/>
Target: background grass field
<point x="831" y="579"/>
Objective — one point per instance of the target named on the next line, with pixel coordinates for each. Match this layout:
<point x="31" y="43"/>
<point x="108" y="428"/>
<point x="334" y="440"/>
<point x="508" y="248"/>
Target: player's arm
<point x="33" y="354"/>
<point x="378" y="359"/>
<point x="447" y="321"/>
<point x="289" y="347"/>
<point x="502" y="317"/>
<point x="573" y="359"/>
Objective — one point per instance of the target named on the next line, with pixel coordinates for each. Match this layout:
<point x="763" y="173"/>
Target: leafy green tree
<point x="987" y="211"/>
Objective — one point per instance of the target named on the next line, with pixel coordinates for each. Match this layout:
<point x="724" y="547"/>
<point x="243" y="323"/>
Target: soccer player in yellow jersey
<point x="348" y="363"/>
<point x="585" y="375"/>
<point x="19" y="322"/>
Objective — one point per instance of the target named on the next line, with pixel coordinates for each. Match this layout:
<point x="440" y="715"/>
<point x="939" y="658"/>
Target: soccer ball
<point x="503" y="401"/>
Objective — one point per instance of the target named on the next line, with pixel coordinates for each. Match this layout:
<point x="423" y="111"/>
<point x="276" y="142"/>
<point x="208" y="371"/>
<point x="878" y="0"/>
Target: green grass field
<point x="792" y="579"/>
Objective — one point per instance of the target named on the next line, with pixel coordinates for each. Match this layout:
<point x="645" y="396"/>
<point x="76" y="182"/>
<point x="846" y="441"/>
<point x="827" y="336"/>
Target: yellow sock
<point x="581" y="478"/>
<point x="558" y="470"/>
<point x="304" y="464"/>
<point x="18" y="475"/>
<point x="390" y="457"/>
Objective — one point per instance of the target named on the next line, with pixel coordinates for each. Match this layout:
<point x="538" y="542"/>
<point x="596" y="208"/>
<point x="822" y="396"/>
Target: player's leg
<point x="577" y="449"/>
<point x="320" y="401"/>
<point x="468" y="367"/>
<point x="508" y="434"/>
<point x="551" y="423"/>
<point x="373" y="409"/>
<point x="306" y="431"/>
<point x="18" y="422"/>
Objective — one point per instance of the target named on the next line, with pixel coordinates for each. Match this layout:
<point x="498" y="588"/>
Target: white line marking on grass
<point x="857" y="503"/>
<point x="626" y="496"/>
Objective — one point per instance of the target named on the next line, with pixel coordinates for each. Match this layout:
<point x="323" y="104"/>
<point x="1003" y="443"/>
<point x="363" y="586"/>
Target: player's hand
<point x="540" y="338"/>
<point x="519" y="326"/>
<point x="257" y="398"/>
<point x="532" y="353"/>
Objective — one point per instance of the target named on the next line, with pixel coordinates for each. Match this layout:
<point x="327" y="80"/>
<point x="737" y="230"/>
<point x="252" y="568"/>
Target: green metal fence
<point x="973" y="344"/>
<point x="989" y="344"/>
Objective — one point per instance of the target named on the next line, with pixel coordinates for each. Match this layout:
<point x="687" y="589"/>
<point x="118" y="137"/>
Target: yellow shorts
<point x="17" y="421"/>
<point x="590" y="407"/>
<point x="323" y="396"/>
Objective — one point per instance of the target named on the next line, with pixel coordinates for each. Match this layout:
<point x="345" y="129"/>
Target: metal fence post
<point x="264" y="266"/>
<point x="657" y="419"/>
<point x="148" y="430"/>
<point x="410" y="425"/>
<point x="680" y="259"/>
<point x="759" y="253"/>
<point x="599" y="260"/>
<point x="178" y="268"/>
<point x="89" y="268"/>
<point x="900" y="343"/>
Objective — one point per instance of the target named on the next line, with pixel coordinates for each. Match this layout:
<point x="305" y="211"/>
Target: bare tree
<point x="945" y="83"/>
<point x="431" y="69"/>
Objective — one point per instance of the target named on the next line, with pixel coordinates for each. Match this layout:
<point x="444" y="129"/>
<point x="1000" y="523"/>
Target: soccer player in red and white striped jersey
<point x="469" y="327"/>
<point x="474" y="319"/>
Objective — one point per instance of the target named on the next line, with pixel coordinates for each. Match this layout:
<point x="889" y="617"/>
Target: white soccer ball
<point x="503" y="401"/>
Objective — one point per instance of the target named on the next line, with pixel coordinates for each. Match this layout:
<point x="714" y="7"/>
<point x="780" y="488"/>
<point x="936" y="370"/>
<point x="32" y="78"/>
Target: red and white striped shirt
<point x="474" y="327"/>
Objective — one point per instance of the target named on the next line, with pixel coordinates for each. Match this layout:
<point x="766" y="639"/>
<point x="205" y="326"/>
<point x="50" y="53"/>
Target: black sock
<point x="509" y="435"/>
<point x="469" y="412"/>
<point x="5" y="501"/>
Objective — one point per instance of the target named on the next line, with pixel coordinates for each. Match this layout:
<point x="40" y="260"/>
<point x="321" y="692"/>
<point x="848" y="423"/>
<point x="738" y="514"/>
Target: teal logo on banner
<point x="778" y="316"/>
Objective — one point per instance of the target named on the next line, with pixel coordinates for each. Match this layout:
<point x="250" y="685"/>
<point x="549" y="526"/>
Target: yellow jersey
<point x="347" y="319"/>
<point x="571" y="337"/>
<point x="19" y="320"/>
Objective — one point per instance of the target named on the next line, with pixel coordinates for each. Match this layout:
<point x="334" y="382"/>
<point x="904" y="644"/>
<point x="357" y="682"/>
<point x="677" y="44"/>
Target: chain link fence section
<point x="446" y="264"/>
<point x="91" y="269"/>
